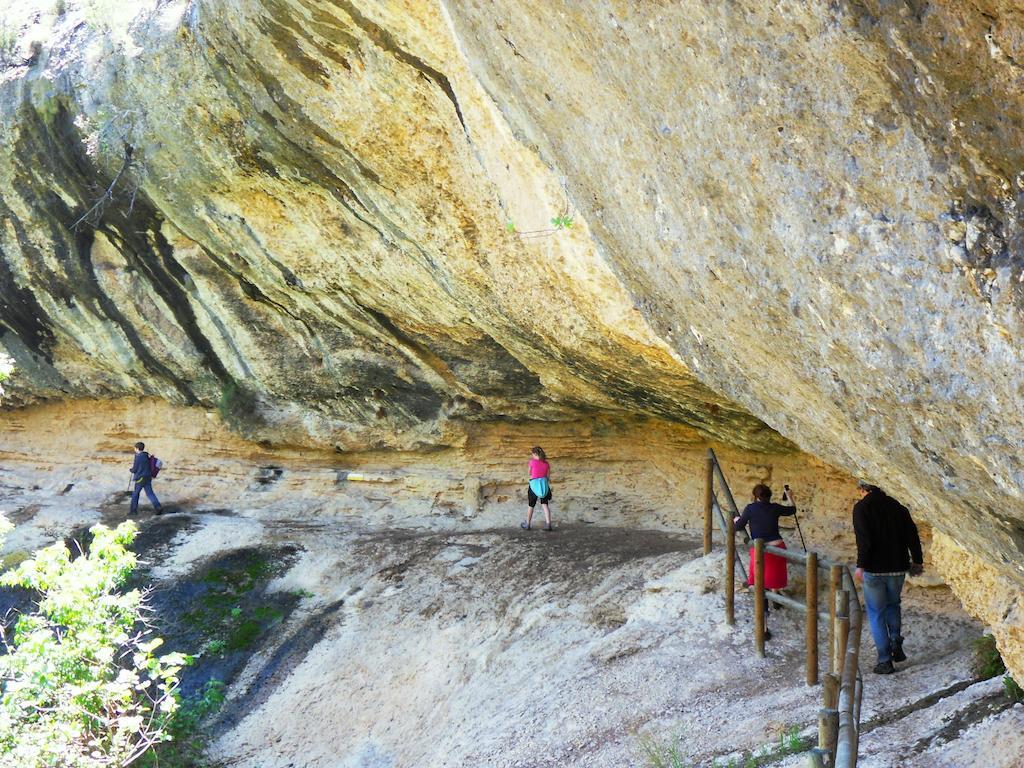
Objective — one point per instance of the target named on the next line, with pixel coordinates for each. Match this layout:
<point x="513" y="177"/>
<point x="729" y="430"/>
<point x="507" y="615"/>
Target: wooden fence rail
<point x="842" y="686"/>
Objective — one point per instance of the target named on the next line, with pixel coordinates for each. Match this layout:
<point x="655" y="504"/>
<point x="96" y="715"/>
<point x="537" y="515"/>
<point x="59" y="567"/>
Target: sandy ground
<point x="465" y="644"/>
<point x="503" y="648"/>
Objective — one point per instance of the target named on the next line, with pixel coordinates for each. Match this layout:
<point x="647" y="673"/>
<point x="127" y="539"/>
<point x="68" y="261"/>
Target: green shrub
<point x="186" y="729"/>
<point x="1013" y="690"/>
<point x="988" y="662"/>
<point x="81" y="684"/>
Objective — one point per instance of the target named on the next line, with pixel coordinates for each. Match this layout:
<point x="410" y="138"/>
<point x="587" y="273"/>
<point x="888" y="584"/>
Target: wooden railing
<point x="842" y="687"/>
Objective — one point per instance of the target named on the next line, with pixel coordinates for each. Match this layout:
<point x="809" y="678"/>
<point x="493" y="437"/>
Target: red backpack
<point x="155" y="465"/>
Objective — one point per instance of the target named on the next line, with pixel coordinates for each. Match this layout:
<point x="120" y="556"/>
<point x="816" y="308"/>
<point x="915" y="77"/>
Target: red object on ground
<point x="775" y="574"/>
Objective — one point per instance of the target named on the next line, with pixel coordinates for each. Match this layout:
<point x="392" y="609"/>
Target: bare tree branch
<point x="108" y="195"/>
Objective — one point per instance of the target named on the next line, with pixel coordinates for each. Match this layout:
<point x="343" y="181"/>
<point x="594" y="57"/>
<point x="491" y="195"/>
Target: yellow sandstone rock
<point x="385" y="226"/>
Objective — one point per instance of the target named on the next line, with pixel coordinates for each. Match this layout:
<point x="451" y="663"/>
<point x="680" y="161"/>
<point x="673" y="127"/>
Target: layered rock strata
<point x="348" y="225"/>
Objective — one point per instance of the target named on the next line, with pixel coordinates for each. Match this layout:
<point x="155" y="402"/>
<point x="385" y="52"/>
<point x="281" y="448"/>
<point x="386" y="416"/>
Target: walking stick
<point x="796" y="520"/>
<point x="802" y="543"/>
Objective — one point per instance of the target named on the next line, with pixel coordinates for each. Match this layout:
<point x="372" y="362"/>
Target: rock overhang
<point x="335" y="223"/>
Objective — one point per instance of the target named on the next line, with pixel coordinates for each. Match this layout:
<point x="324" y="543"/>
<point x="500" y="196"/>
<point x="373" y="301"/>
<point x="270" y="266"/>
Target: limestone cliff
<point x="348" y="225"/>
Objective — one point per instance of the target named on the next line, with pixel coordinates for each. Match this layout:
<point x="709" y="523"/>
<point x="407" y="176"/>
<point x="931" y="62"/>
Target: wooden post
<point x="759" y="601"/>
<point x="811" y="632"/>
<point x="828" y="732"/>
<point x="835" y="580"/>
<point x="709" y="479"/>
<point x="830" y="691"/>
<point x="730" y="571"/>
<point x="842" y="632"/>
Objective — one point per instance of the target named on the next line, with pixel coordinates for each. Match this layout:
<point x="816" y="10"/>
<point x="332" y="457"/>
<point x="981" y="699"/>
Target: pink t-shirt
<point x="539" y="468"/>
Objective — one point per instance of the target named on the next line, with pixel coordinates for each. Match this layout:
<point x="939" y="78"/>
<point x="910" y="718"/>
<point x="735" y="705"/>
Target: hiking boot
<point x="524" y="526"/>
<point x="884" y="668"/>
<point x="158" y="511"/>
<point x="897" y="651"/>
<point x="547" y="528"/>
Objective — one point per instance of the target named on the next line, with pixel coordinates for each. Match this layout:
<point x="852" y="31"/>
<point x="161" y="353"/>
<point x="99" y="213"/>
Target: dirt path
<point x="386" y="647"/>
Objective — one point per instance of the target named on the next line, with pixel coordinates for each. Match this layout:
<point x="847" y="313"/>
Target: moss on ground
<point x="225" y="613"/>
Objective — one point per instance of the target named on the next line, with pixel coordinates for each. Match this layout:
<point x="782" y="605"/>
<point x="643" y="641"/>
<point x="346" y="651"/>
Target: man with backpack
<point x="144" y="470"/>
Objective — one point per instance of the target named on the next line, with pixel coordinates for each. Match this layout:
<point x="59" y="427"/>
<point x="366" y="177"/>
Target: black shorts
<point x="534" y="499"/>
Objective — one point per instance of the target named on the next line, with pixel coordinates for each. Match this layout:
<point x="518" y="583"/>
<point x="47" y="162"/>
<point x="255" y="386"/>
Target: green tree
<point x="81" y="685"/>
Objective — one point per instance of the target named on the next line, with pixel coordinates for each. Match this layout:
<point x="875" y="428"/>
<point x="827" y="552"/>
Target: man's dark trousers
<point x="146" y="485"/>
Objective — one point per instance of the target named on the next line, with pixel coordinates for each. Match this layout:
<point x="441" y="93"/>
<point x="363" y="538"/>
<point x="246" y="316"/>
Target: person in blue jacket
<point x="142" y="476"/>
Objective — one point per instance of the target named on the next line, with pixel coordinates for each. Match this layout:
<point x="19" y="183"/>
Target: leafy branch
<point x="81" y="683"/>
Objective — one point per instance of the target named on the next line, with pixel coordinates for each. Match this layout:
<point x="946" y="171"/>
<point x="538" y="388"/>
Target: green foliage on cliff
<point x="81" y="685"/>
<point x="239" y="409"/>
<point x="988" y="663"/>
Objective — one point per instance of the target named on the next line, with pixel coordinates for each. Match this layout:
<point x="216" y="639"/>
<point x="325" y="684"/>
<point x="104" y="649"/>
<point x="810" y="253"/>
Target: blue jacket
<point x="141" y="472"/>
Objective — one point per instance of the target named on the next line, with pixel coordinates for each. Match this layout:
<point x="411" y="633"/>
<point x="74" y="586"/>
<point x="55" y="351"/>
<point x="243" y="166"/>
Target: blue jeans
<point x="146" y="486"/>
<point x="882" y="596"/>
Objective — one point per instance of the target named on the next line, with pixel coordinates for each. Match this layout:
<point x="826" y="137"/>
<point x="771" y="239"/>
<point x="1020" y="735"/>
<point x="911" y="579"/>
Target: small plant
<point x="790" y="742"/>
<point x="988" y="662"/>
<point x="216" y="646"/>
<point x="659" y="755"/>
<point x="560" y="222"/>
<point x="1012" y="689"/>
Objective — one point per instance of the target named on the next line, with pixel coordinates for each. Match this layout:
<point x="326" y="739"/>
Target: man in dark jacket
<point x="142" y="476"/>
<point x="887" y="539"/>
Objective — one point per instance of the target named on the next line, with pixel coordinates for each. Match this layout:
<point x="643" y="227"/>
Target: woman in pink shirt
<point x="539" y="489"/>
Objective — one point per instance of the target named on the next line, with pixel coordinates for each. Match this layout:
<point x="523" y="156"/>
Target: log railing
<point x="842" y="686"/>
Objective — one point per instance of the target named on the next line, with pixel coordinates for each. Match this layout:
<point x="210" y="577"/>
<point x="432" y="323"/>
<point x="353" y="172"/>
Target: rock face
<point x="346" y="224"/>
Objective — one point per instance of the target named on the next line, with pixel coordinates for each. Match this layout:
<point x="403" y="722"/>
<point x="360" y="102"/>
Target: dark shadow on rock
<point x="221" y="612"/>
<point x="285" y="658"/>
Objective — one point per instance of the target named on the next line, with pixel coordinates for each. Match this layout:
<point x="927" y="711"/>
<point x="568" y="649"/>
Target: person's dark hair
<point x="762" y="492"/>
<point x="539" y="452"/>
<point x="140" y="445"/>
